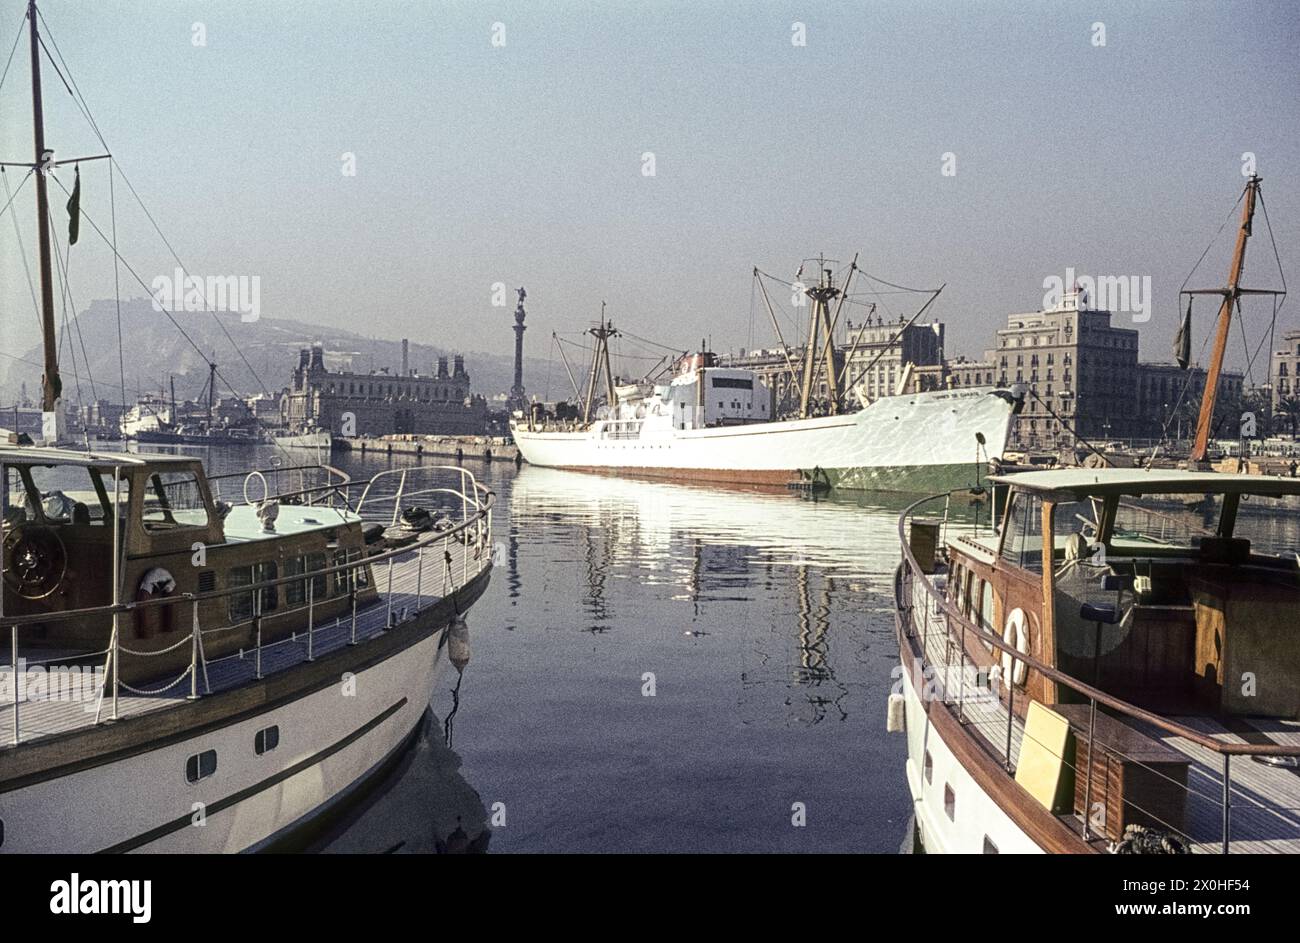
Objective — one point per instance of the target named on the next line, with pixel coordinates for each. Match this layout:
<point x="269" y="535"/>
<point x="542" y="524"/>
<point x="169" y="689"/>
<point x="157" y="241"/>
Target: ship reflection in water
<point x="679" y="668"/>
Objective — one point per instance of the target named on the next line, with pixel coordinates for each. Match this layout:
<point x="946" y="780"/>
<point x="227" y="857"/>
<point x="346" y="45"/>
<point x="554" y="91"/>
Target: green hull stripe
<point x="912" y="479"/>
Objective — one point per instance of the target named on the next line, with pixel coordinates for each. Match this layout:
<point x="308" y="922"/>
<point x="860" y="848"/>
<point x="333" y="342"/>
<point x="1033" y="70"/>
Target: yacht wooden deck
<point x="1264" y="800"/>
<point x="437" y="578"/>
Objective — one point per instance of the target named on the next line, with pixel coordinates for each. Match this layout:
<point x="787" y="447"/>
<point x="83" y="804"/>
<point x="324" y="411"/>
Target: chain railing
<point x="473" y="531"/>
<point x="924" y="615"/>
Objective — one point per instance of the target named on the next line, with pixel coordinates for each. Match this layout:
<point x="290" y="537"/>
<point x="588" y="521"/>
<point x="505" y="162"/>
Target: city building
<point x="1080" y="372"/>
<point x="1169" y="396"/>
<point x="877" y="352"/>
<point x="871" y="358"/>
<point x="1286" y="370"/>
<point x="382" y="402"/>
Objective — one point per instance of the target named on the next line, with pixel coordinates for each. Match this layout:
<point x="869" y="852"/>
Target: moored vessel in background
<point x="706" y="422"/>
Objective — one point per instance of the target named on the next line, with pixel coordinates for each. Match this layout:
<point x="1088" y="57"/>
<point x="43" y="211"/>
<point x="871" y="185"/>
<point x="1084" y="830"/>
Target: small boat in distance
<point x="706" y="422"/>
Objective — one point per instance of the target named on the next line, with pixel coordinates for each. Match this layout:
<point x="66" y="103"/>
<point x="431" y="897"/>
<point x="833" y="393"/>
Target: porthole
<point x="201" y="766"/>
<point x="266" y="740"/>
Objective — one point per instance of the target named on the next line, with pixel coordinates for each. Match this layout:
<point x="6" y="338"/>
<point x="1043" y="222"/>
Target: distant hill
<point x="154" y="349"/>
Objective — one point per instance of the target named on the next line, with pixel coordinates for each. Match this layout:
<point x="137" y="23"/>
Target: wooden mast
<point x="51" y="384"/>
<point x="1230" y="295"/>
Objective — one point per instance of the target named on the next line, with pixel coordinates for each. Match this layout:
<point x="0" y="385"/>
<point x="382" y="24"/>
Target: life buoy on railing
<point x="1016" y="633"/>
<point x="153" y="620"/>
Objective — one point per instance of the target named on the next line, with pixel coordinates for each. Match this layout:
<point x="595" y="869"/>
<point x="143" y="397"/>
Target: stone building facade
<point x="383" y="402"/>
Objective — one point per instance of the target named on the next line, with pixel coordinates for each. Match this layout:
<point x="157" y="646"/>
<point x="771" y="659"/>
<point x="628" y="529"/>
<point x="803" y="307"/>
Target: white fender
<point x="1016" y="633"/>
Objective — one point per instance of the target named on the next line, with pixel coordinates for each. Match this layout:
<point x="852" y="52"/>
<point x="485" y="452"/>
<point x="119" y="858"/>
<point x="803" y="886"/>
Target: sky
<point x="506" y="143"/>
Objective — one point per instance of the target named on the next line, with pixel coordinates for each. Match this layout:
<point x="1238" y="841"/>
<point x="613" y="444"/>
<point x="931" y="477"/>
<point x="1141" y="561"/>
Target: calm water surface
<point x="765" y="622"/>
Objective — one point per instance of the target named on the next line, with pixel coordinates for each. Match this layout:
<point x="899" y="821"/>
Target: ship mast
<point x="1231" y="294"/>
<point x="819" y="352"/>
<point x="599" y="364"/>
<point x="51" y="384"/>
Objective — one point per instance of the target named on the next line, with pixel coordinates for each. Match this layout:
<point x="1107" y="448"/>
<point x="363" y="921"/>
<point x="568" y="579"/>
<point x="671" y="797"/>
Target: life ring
<point x="1016" y="633"/>
<point x="156" y="583"/>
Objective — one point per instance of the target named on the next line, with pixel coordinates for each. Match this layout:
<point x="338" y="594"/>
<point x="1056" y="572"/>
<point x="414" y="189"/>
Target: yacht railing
<point x="473" y="531"/>
<point x="277" y="483"/>
<point x="925" y="615"/>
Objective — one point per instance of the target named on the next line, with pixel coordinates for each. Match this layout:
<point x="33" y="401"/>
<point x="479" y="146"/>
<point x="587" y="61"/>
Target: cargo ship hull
<point x="924" y="442"/>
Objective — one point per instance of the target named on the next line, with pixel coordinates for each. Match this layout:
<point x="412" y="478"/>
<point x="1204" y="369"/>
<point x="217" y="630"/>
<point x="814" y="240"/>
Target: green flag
<point x="1183" y="339"/>
<point x="74" y="210"/>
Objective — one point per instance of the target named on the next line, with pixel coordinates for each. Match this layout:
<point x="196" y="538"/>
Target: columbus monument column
<point x="518" y="399"/>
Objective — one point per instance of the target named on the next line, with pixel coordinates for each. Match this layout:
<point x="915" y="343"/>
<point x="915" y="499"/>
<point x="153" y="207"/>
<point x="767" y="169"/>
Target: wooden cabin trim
<point x="1047" y="617"/>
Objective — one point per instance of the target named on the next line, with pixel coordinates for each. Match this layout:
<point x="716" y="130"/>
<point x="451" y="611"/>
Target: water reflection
<point x="424" y="806"/>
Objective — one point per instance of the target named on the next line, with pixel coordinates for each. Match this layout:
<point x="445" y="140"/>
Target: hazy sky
<point x="522" y="163"/>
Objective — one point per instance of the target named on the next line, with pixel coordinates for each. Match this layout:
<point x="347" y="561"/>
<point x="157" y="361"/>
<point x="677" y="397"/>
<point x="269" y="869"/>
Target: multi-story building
<point x="1080" y="372"/>
<point x="1169" y="399"/>
<point x="1286" y="370"/>
<point x="877" y="353"/>
<point x="382" y="403"/>
<point x="963" y="372"/>
<point x="871" y="358"/>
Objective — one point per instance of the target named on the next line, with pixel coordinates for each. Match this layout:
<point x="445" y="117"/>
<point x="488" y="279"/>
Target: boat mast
<point x="51" y="384"/>
<point x="817" y="322"/>
<point x="1230" y="296"/>
<point x="599" y="364"/>
<point x="212" y="386"/>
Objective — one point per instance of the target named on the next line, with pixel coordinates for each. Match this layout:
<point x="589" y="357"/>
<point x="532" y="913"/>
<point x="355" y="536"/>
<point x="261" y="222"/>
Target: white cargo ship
<point x="711" y="423"/>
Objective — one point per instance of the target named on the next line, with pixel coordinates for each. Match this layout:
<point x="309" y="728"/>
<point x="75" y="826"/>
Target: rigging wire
<point x="65" y="262"/>
<point x="18" y="234"/>
<point x="136" y="275"/>
<point x="18" y="35"/>
<point x="75" y="91"/>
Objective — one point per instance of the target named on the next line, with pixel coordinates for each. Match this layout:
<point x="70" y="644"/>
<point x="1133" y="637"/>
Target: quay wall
<point x="478" y="448"/>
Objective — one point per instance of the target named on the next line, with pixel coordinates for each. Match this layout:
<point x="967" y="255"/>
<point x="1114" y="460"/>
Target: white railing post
<point x="194" y="651"/>
<point x="14" y="658"/>
<point x="311" y="615"/>
<point x="419" y="576"/>
<point x="388" y="616"/>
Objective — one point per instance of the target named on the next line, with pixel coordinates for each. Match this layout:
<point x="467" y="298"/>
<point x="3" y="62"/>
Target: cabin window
<point x="1022" y="543"/>
<point x="314" y="563"/>
<point x="295" y="593"/>
<point x="60" y="495"/>
<point x="345" y="581"/>
<point x="241" y="605"/>
<point x="173" y="499"/>
<point x="266" y="739"/>
<point x="927" y="766"/>
<point x="200" y="766"/>
<point x="989" y="847"/>
<point x="949" y="802"/>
